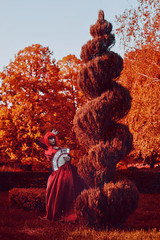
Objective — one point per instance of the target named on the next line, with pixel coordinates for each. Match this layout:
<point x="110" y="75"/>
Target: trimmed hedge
<point x="9" y="180"/>
<point x="147" y="181"/>
<point x="27" y="198"/>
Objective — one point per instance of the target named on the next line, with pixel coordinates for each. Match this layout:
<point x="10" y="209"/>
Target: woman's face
<point x="52" y="141"/>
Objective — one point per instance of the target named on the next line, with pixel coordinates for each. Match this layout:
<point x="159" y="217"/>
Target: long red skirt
<point x="63" y="187"/>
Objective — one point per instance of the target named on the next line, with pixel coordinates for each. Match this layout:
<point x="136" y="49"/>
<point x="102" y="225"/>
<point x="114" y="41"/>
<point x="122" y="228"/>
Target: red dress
<point x="63" y="187"/>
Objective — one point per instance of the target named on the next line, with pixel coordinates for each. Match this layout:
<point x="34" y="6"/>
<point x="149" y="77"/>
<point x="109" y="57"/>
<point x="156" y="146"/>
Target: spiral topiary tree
<point x="96" y="125"/>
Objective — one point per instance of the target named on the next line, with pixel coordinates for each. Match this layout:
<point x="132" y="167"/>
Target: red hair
<point x="50" y="135"/>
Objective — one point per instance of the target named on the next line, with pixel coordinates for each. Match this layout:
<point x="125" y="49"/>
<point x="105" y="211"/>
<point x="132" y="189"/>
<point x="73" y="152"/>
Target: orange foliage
<point x="69" y="68"/>
<point x="141" y="76"/>
<point x="139" y="31"/>
<point x="141" y="26"/>
<point x="33" y="102"/>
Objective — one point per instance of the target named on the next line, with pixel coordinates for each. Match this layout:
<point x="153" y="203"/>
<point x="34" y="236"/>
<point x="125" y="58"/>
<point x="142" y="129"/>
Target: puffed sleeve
<point x="48" y="157"/>
<point x="50" y="153"/>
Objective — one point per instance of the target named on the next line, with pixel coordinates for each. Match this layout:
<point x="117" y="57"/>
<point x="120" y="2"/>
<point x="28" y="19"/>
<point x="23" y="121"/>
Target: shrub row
<point x="9" y="180"/>
<point x="147" y="181"/>
<point x="27" y="198"/>
<point x="34" y="197"/>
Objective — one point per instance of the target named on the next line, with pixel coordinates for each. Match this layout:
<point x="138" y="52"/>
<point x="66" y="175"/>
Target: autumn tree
<point x="69" y="68"/>
<point x="97" y="128"/>
<point x="139" y="30"/>
<point x="141" y="75"/>
<point x="140" y="26"/>
<point x="33" y="102"/>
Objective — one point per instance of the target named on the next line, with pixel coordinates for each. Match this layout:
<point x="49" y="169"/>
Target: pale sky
<point x="62" y="25"/>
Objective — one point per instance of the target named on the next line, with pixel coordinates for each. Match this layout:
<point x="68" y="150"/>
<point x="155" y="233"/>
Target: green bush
<point x="27" y="198"/>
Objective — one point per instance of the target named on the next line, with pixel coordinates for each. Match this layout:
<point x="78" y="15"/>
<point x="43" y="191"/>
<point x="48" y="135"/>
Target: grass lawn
<point x="21" y="224"/>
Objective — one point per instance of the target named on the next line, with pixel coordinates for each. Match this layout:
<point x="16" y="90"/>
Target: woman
<point x="63" y="185"/>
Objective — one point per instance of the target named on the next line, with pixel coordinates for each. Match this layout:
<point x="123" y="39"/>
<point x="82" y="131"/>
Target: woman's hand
<point x="56" y="148"/>
<point x="67" y="158"/>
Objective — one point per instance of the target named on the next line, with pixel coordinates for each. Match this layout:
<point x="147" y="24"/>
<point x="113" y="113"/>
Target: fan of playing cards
<point x="60" y="157"/>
